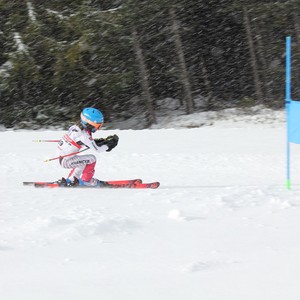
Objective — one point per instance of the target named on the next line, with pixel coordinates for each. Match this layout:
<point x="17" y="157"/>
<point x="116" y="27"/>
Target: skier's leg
<point x="88" y="172"/>
<point x="80" y="164"/>
<point x="71" y="173"/>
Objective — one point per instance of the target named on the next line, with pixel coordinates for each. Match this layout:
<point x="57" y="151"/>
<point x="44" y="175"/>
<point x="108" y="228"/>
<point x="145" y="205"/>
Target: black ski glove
<point x="100" y="142"/>
<point x="111" y="142"/>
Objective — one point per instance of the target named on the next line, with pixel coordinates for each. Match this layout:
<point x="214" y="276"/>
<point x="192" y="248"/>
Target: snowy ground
<point x="222" y="226"/>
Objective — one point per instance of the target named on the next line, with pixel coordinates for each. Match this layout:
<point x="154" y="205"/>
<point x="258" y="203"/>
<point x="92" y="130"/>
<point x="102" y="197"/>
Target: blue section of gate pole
<point x="287" y="105"/>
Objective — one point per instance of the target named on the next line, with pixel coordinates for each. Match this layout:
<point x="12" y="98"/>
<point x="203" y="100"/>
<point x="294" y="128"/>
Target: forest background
<point x="137" y="59"/>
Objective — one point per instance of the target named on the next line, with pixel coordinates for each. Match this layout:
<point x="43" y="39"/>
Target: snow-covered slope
<point x="222" y="226"/>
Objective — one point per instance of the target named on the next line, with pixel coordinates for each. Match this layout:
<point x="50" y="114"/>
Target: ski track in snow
<point x="221" y="226"/>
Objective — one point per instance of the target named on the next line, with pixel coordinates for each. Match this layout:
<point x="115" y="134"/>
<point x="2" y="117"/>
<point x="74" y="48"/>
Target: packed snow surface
<point x="222" y="226"/>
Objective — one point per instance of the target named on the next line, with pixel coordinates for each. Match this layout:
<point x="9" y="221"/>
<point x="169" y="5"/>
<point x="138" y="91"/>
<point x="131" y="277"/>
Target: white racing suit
<point x="75" y="140"/>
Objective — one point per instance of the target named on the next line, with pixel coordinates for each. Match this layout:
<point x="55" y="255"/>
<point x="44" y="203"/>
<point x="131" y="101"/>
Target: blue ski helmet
<point x="91" y="119"/>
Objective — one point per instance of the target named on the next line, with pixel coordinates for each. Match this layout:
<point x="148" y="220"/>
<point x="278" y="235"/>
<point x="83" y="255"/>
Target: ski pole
<point x="46" y="141"/>
<point x="74" y="153"/>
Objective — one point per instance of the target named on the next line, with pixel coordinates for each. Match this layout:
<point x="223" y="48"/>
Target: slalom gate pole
<point x="287" y="105"/>
<point x="74" y="153"/>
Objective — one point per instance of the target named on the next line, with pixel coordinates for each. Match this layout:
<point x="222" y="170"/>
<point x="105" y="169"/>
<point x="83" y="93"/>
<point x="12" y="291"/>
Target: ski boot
<point x="68" y="183"/>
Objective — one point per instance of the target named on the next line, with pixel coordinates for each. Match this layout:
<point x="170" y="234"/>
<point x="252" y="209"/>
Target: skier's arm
<point x="86" y="140"/>
<point x="93" y="145"/>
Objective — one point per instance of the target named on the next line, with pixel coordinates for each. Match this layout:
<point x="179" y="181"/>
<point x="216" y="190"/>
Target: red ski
<point x="131" y="183"/>
<point x="126" y="181"/>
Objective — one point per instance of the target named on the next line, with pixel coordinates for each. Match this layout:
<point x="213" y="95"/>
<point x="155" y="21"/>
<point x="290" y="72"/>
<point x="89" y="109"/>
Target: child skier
<point x="77" y="139"/>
